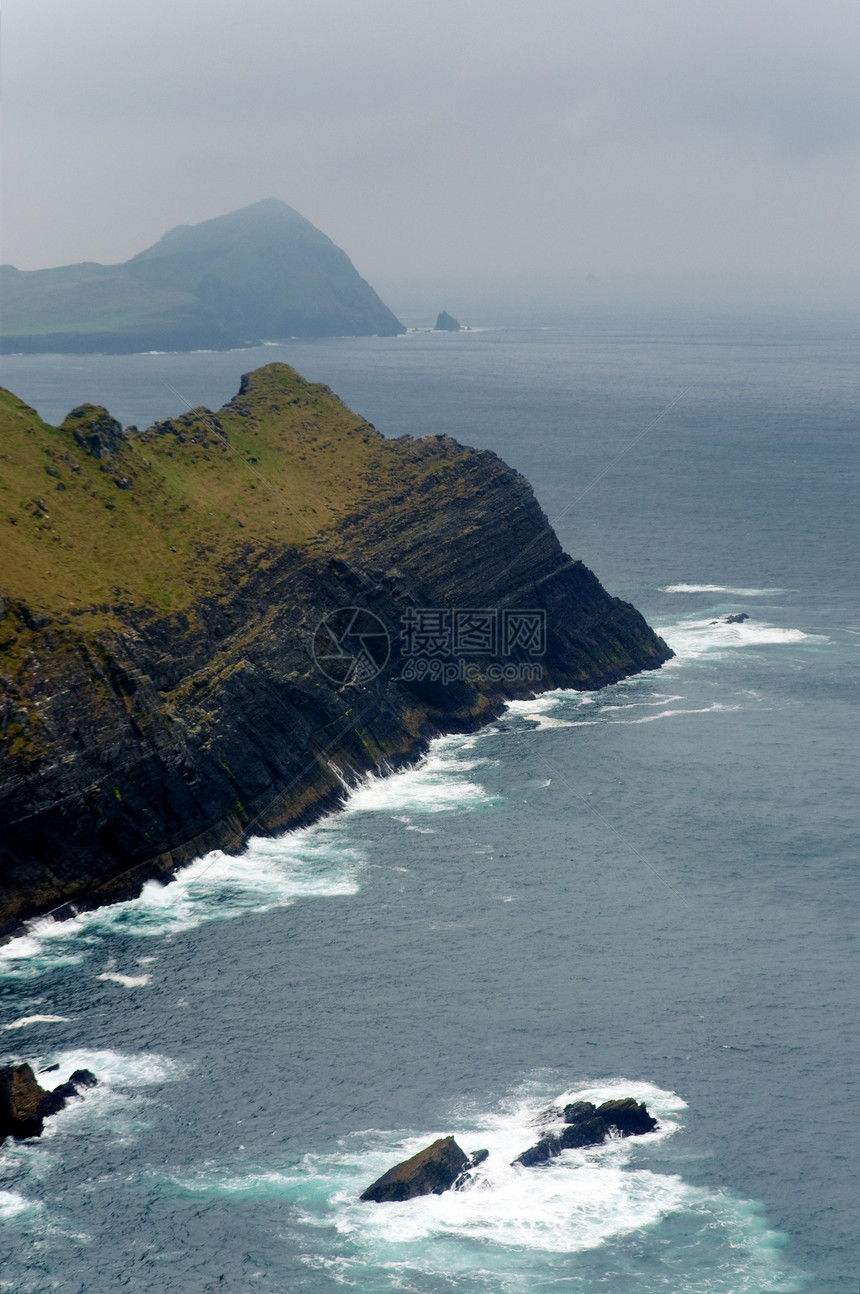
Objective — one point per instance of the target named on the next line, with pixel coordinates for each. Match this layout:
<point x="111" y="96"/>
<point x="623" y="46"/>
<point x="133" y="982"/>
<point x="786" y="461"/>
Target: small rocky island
<point x="445" y="1165"/>
<point x="446" y="323"/>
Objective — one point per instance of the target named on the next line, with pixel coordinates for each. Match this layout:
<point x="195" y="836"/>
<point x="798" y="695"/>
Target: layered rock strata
<point x="180" y="663"/>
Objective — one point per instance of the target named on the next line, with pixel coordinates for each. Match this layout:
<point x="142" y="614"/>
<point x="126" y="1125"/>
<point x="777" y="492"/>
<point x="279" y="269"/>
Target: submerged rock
<point x="432" y="1171"/>
<point x="736" y="620"/>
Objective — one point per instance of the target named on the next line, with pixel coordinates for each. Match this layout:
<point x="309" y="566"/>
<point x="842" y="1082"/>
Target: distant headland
<point x="263" y="273"/>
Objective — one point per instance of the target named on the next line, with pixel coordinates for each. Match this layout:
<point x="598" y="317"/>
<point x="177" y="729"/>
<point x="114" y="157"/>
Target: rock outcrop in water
<point x="209" y="629"/>
<point x="446" y="323"/>
<point x="589" y="1125"/>
<point x="433" y="1170"/>
<point x="25" y="1104"/>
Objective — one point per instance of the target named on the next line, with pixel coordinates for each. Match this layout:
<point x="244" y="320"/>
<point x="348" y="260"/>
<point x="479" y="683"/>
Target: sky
<point x="571" y="149"/>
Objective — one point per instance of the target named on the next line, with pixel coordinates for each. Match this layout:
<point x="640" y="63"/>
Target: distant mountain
<point x="260" y="274"/>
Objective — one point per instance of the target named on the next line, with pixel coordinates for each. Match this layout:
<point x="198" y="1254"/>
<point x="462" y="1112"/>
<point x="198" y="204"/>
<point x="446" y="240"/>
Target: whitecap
<point x="25" y="1020"/>
<point x="538" y="704"/>
<point x="693" y="638"/>
<point x="721" y="588"/>
<point x="12" y="1204"/>
<point x="436" y="785"/>
<point x="122" y="1069"/>
<point x="672" y="714"/>
<point x="127" y="981"/>
<point x="271" y="873"/>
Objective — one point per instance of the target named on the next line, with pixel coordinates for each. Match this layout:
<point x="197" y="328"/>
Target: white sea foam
<point x="315" y="862"/>
<point x="310" y="863"/>
<point x="539" y="704"/>
<point x="25" y="1020"/>
<point x="673" y="714"/>
<point x="121" y="1069"/>
<point x="437" y="785"/>
<point x="12" y="1205"/>
<point x="721" y="588"/>
<point x="511" y="1226"/>
<point x="694" y="638"/>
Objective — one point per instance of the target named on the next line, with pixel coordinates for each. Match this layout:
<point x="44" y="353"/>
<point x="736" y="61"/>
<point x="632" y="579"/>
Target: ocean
<point x="649" y="890"/>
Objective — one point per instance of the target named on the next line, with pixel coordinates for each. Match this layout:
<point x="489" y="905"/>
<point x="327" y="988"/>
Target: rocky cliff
<point x="210" y="628"/>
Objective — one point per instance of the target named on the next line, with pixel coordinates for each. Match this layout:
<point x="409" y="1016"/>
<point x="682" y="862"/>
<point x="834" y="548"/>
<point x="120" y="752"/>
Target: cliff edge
<point x="210" y="628"/>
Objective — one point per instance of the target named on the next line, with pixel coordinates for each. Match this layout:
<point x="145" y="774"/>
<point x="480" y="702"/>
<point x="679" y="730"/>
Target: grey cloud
<point x="553" y="139"/>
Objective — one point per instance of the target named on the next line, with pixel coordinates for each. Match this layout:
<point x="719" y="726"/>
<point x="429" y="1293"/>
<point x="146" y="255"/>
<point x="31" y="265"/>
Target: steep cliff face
<point x="208" y="629"/>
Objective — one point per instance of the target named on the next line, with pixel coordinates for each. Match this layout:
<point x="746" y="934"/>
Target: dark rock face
<point x="446" y="323"/>
<point x="127" y="751"/>
<point x="578" y="1110"/>
<point x="474" y="1160"/>
<point x="57" y="1099"/>
<point x="738" y="619"/>
<point x="627" y="1116"/>
<point x="95" y="430"/>
<point x="24" y="1103"/>
<point x="21" y="1099"/>
<point x="432" y="1171"/>
<point x="587" y="1125"/>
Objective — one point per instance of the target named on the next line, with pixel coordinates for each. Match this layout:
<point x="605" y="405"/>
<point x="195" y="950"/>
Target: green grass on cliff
<point x="184" y="509"/>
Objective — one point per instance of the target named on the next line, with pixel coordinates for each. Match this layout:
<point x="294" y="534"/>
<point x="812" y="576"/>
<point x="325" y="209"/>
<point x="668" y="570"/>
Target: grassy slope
<point x="197" y="497"/>
<point x="81" y="299"/>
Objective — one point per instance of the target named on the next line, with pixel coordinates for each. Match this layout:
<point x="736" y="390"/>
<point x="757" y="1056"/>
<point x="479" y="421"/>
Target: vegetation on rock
<point x="159" y="596"/>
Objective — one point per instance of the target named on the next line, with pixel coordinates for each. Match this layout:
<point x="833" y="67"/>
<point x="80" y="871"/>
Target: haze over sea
<point x="649" y="890"/>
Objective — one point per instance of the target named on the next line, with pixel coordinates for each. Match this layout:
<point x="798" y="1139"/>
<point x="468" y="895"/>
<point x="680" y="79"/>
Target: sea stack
<point x="446" y="323"/>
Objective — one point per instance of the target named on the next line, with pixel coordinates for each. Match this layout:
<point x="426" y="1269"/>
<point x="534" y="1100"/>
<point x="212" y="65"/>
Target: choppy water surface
<point x="648" y="890"/>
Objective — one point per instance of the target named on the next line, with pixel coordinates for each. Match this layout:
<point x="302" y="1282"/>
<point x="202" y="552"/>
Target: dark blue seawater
<point x="648" y="890"/>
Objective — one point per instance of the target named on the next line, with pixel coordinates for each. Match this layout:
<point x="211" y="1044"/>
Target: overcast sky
<point x="677" y="144"/>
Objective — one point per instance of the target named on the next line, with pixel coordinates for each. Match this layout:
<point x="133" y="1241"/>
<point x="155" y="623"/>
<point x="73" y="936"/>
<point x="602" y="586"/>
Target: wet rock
<point x="24" y="1103"/>
<point x="21" y="1098"/>
<point x="736" y="620"/>
<point x="474" y="1160"/>
<point x="578" y="1110"/>
<point x="584" y="1132"/>
<point x="547" y="1148"/>
<point x="587" y="1125"/>
<point x="627" y="1116"/>
<point x="432" y="1171"/>
<point x="57" y="1100"/>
